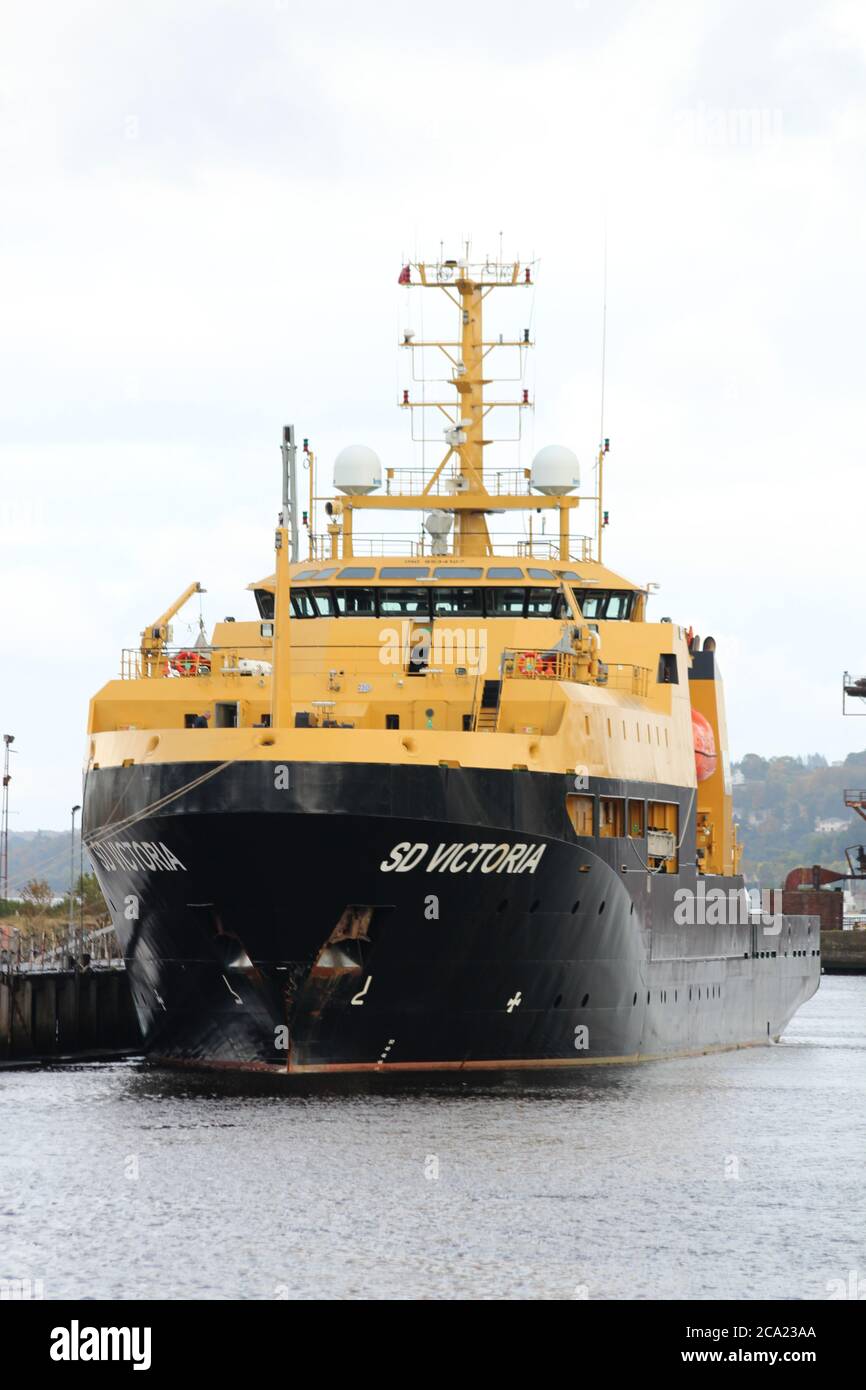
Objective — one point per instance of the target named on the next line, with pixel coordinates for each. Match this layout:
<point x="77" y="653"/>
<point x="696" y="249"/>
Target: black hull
<point x="565" y="953"/>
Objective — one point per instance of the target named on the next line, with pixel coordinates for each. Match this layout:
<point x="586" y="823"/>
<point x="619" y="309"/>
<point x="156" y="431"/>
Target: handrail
<point x="529" y="663"/>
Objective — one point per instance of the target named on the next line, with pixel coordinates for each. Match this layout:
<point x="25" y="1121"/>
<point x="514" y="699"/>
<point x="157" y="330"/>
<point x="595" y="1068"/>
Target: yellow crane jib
<point x="155" y="635"/>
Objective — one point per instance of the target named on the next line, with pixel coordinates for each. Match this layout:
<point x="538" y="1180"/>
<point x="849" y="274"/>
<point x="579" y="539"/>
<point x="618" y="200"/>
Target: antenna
<point x="290" y="488"/>
<point x="602" y="442"/>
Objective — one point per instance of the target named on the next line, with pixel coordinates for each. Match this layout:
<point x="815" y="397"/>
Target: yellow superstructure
<point x="460" y="651"/>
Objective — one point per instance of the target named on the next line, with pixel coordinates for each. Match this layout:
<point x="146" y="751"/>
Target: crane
<point x="156" y="634"/>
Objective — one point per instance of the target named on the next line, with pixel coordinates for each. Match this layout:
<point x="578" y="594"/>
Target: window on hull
<point x="611" y="817"/>
<point x="580" y="814"/>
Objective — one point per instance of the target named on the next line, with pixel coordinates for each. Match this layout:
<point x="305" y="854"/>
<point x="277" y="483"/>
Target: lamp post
<point x="75" y="811"/>
<point x="8" y="740"/>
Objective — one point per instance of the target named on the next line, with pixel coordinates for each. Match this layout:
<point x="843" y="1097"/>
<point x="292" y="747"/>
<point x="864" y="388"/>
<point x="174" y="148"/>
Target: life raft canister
<point x="191" y="663"/>
<point x="704" y="740"/>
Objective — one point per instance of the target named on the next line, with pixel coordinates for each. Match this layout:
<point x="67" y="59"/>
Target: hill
<point x="790" y="811"/>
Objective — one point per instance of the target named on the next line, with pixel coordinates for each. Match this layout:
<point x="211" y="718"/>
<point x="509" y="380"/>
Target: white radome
<point x="555" y="471"/>
<point x="357" y="470"/>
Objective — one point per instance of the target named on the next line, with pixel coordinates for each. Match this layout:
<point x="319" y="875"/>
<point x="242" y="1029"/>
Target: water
<point x="739" y="1175"/>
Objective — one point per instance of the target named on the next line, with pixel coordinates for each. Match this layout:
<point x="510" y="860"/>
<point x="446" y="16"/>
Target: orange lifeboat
<point x="706" y="756"/>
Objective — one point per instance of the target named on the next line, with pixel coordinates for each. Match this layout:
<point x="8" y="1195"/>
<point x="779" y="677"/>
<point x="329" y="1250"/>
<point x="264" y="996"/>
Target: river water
<point x="739" y="1175"/>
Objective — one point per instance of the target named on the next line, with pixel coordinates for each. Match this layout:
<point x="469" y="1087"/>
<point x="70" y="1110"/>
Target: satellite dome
<point x="357" y="470"/>
<point x="555" y="471"/>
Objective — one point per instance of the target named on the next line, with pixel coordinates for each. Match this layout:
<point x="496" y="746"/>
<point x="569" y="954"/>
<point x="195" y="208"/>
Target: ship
<point x="449" y="799"/>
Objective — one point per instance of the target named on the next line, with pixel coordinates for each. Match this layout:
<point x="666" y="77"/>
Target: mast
<point x="468" y="286"/>
<point x="472" y="536"/>
<point x="460" y="491"/>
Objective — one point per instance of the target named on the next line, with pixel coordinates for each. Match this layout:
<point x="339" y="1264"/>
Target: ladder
<point x="487" y="714"/>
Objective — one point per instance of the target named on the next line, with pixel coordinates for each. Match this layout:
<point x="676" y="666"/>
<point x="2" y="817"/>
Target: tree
<point x="89" y="892"/>
<point x="754" y="769"/>
<point x="37" y="897"/>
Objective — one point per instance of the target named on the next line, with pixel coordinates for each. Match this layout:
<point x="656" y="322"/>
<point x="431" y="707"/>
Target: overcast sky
<point x="204" y="210"/>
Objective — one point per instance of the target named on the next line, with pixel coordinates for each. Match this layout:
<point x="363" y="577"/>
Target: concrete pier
<point x="843" y="952"/>
<point x="66" y="1015"/>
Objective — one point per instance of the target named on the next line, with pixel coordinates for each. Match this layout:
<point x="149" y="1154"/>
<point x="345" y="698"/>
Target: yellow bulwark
<point x="450" y="647"/>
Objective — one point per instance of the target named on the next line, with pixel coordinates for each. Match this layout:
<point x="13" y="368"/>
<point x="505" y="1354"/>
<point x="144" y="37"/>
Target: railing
<point x="396" y="543"/>
<point x="412" y="482"/>
<point x="532" y="664"/>
<point x="78" y="949"/>
<point x="634" y="680"/>
<point x="190" y="662"/>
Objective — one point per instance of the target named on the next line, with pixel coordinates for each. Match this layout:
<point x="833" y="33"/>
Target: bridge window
<point x="464" y="603"/>
<point x="604" y="603"/>
<point x="302" y="604"/>
<point x="358" y="572"/>
<point x="354" y="603"/>
<point x="540" y="574"/>
<point x="404" y="603"/>
<point x="617" y="606"/>
<point x="505" y="603"/>
<point x="265" y="601"/>
<point x="404" y="572"/>
<point x="325" y="601"/>
<point x="540" y="603"/>
<point x="504" y="572"/>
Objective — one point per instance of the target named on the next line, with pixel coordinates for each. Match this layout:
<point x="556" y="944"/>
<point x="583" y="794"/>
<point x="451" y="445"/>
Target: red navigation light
<point x="607" y="446"/>
<point x="405" y="397"/>
<point x="528" y="279"/>
<point x="405" y="276"/>
<point x="606" y="520"/>
<point x="525" y="396"/>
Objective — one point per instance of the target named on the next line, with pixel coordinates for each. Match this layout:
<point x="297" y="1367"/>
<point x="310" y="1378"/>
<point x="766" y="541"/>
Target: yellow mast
<point x="458" y="485"/>
<point x="472" y="536"/>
